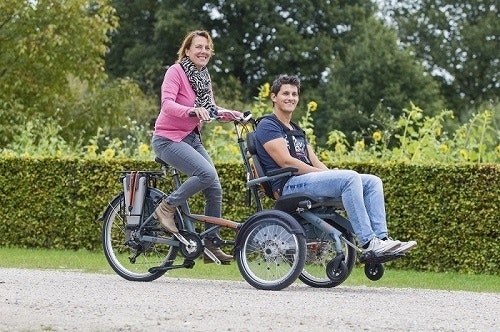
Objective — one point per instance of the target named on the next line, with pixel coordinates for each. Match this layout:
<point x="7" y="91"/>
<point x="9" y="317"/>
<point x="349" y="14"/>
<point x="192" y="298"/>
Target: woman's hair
<point x="285" y="79"/>
<point x="188" y="40"/>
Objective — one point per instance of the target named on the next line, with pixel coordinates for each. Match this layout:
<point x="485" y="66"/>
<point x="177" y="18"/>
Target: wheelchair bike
<point x="331" y="248"/>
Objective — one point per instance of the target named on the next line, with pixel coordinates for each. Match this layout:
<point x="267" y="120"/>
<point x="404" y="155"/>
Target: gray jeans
<point x="190" y="157"/>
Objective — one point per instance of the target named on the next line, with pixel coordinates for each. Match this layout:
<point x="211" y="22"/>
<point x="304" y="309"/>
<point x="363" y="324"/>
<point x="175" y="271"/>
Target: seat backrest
<point x="256" y="166"/>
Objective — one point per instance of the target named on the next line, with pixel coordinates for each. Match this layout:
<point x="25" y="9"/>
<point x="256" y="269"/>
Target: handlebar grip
<point x="212" y="111"/>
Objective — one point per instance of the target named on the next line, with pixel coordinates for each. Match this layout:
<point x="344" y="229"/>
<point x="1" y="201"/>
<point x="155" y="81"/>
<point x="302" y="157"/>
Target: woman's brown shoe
<point x="224" y="258"/>
<point x="165" y="214"/>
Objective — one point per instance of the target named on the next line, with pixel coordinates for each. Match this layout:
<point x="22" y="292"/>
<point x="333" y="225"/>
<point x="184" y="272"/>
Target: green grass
<point x="95" y="262"/>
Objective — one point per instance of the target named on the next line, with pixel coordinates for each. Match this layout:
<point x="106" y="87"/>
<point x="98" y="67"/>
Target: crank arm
<point x="212" y="256"/>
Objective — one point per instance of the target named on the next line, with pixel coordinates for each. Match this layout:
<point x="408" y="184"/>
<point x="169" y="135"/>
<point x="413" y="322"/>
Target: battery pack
<point x="134" y="187"/>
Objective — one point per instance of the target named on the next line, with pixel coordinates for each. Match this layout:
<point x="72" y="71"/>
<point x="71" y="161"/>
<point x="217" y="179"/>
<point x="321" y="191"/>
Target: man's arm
<point x="314" y="159"/>
<point x="278" y="150"/>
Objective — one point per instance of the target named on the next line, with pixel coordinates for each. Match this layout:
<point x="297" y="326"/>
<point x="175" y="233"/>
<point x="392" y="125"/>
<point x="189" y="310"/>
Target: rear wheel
<point x="271" y="257"/>
<point x="320" y="252"/>
<point x="128" y="256"/>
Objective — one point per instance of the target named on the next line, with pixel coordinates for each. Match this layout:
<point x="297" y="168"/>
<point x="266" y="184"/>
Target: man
<point x="281" y="143"/>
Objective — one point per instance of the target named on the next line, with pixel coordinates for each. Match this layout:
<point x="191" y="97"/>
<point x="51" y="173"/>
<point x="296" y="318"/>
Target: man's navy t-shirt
<point x="267" y="130"/>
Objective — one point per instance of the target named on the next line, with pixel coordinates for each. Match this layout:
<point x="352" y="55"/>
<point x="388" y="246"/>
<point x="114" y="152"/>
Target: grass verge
<point x="95" y="262"/>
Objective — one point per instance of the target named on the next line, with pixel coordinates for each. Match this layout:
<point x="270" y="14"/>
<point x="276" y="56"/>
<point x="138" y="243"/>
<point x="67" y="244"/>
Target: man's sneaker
<point x="380" y="247"/>
<point x="396" y="243"/>
<point x="405" y="247"/>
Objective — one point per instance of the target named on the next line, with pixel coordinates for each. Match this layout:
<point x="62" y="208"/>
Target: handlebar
<point x="225" y="115"/>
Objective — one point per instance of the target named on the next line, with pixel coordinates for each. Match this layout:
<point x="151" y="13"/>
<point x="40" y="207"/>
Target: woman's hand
<point x="230" y="115"/>
<point x="201" y="113"/>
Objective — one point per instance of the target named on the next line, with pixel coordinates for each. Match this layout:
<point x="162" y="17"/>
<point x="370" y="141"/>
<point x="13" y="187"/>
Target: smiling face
<point x="286" y="99"/>
<point x="199" y="52"/>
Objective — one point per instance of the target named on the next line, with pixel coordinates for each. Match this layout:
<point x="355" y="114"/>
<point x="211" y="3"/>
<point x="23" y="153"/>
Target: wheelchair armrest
<point x="279" y="173"/>
<point x="282" y="170"/>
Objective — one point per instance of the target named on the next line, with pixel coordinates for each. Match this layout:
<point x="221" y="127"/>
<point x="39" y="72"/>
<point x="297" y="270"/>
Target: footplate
<point x="372" y="258"/>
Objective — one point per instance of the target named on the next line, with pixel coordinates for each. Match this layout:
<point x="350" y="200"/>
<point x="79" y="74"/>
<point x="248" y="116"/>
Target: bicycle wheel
<point x="320" y="251"/>
<point x="128" y="256"/>
<point x="271" y="256"/>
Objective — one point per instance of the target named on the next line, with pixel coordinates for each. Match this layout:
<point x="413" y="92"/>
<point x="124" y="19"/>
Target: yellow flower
<point x="91" y="150"/>
<point x="312" y="106"/>
<point x="443" y="148"/>
<point x="218" y="130"/>
<point x="234" y="149"/>
<point x="265" y="90"/>
<point x="359" y="145"/>
<point x="143" y="149"/>
<point x="438" y="131"/>
<point x="108" y="153"/>
<point x="340" y="148"/>
<point x="59" y="153"/>
<point x="464" y="154"/>
<point x="377" y="136"/>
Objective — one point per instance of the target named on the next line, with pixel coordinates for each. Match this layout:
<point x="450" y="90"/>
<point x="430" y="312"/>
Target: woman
<point x="187" y="91"/>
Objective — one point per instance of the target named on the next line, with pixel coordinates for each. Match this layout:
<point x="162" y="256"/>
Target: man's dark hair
<point x="285" y="79"/>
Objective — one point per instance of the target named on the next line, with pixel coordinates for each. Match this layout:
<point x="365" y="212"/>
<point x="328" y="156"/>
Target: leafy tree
<point x="132" y="51"/>
<point x="52" y="69"/>
<point x="457" y="40"/>
<point x="257" y="40"/>
<point x="254" y="40"/>
<point x="373" y="82"/>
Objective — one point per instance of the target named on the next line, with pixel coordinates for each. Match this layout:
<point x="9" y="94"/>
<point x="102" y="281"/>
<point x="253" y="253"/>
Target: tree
<point x="373" y="82"/>
<point x="52" y="68"/>
<point x="458" y="42"/>
<point x="254" y="40"/>
<point x="132" y="51"/>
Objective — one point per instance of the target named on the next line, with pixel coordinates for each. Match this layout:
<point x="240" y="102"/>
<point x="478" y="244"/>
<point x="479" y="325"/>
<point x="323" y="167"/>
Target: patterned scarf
<point x="200" y="82"/>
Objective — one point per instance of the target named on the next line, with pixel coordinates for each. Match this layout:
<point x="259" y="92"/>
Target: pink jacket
<point x="177" y="100"/>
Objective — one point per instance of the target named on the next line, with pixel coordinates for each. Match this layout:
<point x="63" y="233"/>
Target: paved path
<point x="46" y="300"/>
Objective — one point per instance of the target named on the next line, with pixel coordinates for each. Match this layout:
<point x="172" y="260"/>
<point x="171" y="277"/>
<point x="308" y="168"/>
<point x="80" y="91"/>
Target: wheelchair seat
<point x="287" y="203"/>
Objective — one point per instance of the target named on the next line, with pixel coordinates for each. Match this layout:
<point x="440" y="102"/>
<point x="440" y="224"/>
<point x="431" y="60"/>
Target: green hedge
<point x="451" y="211"/>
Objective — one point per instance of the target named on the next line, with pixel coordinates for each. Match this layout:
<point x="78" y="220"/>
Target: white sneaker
<point x="405" y="247"/>
<point x="379" y="247"/>
<point x="396" y="243"/>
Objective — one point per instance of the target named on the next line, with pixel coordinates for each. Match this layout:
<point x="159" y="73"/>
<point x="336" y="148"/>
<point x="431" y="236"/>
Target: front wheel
<point x="320" y="252"/>
<point x="129" y="257"/>
<point x="271" y="256"/>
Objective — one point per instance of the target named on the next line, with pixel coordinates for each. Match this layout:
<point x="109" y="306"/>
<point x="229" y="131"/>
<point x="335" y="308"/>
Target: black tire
<point x="271" y="257"/>
<point x="320" y="251"/>
<point x="374" y="271"/>
<point x="132" y="260"/>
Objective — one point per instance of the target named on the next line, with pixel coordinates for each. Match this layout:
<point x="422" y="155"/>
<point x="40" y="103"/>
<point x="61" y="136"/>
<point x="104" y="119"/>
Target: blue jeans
<point x="362" y="196"/>
<point x="190" y="157"/>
